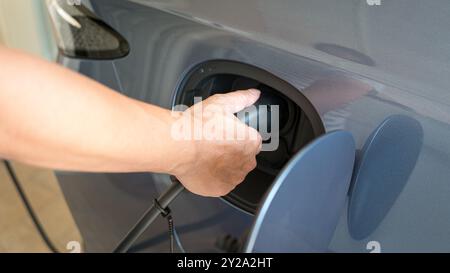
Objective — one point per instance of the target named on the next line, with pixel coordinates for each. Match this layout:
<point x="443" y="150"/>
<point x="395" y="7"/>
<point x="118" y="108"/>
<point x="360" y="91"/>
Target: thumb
<point x="235" y="101"/>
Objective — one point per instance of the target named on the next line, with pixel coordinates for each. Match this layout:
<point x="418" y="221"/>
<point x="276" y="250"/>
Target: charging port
<point x="299" y="123"/>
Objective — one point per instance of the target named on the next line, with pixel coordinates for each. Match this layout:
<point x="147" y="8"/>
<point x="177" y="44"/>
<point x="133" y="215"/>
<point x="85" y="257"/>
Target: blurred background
<point x="31" y="196"/>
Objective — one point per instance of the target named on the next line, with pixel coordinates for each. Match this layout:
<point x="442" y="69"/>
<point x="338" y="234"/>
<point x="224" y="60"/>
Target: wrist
<point x="181" y="148"/>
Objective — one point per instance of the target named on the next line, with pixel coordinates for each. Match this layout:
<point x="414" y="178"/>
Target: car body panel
<point x="391" y="48"/>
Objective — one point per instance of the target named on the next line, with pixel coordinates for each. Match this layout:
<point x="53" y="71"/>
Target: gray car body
<point x="407" y="43"/>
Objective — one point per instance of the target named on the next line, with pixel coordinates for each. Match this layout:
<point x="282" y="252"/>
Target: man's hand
<point x="222" y="149"/>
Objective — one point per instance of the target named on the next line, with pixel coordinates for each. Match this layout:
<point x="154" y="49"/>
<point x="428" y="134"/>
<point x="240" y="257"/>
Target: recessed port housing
<point x="299" y="123"/>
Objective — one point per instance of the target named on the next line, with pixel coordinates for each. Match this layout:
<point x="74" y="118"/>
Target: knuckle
<point x="258" y="144"/>
<point x="252" y="164"/>
<point x="258" y="147"/>
<point x="255" y="136"/>
<point x="224" y="190"/>
<point x="239" y="178"/>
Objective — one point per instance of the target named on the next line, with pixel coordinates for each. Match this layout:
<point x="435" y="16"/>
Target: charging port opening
<point x="299" y="123"/>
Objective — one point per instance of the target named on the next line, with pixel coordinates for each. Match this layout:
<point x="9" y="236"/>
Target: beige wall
<point x="24" y="24"/>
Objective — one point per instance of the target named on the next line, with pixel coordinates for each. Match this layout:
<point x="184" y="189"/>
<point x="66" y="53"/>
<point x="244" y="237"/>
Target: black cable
<point x="182" y="229"/>
<point x="133" y="234"/>
<point x="170" y="222"/>
<point x="158" y="207"/>
<point x="29" y="208"/>
<point x="173" y="235"/>
<point x="166" y="213"/>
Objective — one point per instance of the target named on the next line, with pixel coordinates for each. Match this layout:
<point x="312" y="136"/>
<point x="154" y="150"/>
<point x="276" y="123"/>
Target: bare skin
<point x="55" y="118"/>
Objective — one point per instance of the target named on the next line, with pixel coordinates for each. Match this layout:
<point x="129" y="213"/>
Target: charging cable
<point x="160" y="207"/>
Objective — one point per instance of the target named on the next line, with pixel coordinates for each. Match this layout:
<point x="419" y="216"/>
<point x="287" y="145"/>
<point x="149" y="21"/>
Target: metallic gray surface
<point x="384" y="166"/>
<point x="302" y="208"/>
<point x="407" y="41"/>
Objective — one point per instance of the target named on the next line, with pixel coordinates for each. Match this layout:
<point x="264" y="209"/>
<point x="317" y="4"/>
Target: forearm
<point x="55" y="118"/>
